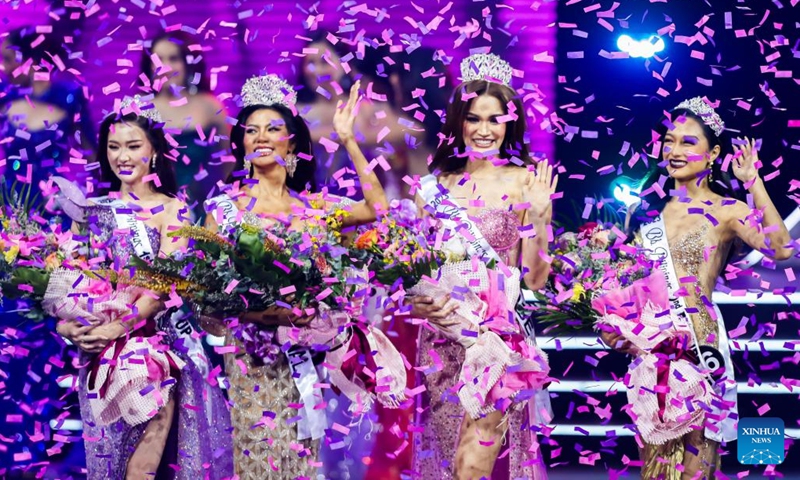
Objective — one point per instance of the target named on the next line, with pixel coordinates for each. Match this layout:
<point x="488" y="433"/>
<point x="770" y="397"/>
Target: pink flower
<point x="99" y="288"/>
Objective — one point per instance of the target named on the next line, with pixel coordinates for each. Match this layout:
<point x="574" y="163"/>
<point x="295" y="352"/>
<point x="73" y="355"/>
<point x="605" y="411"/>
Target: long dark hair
<point x="719" y="181"/>
<point x="451" y="157"/>
<point x="304" y="92"/>
<point x="197" y="68"/>
<point x="21" y="39"/>
<point x="303" y="178"/>
<point x="437" y="94"/>
<point x="155" y="135"/>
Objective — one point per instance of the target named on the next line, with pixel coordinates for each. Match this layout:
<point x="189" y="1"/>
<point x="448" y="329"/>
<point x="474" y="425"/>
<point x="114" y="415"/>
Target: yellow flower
<point x="577" y="292"/>
<point x="11" y="254"/>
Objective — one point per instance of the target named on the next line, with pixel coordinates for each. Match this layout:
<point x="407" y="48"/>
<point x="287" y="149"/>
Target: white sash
<point x="313" y="422"/>
<point x="126" y="220"/>
<point x="222" y="209"/>
<point x="456" y="219"/>
<point x="654" y="236"/>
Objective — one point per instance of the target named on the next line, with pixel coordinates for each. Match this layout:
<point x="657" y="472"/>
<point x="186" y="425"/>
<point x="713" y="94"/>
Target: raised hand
<point x="345" y="117"/>
<point x="745" y="162"/>
<point x="538" y="187"/>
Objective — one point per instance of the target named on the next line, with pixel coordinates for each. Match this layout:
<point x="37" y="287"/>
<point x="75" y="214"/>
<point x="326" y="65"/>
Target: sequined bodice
<point x="500" y="227"/>
<point x="688" y="254"/>
<point x="688" y="250"/>
<point x="103" y="227"/>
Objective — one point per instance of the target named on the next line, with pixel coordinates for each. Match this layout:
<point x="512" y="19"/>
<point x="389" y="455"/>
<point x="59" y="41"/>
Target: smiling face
<point x="129" y="152"/>
<point x="171" y="57"/>
<point x="266" y="138"/>
<point x="481" y="131"/>
<point x="686" y="150"/>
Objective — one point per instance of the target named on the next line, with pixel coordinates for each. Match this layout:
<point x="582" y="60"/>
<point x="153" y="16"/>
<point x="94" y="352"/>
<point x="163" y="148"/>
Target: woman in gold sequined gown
<point x="703" y="223"/>
<point x="268" y="136"/>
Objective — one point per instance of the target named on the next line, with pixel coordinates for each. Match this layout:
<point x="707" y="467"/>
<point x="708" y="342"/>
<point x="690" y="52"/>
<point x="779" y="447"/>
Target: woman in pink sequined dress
<point x="488" y="174"/>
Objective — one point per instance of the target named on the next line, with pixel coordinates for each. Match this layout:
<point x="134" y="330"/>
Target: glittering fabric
<point x="264" y="415"/>
<point x="688" y="256"/>
<point x="659" y="461"/>
<point x="264" y="429"/>
<point x="106" y="241"/>
<point x="500" y="227"/>
<point x="199" y="446"/>
<point x="440" y="412"/>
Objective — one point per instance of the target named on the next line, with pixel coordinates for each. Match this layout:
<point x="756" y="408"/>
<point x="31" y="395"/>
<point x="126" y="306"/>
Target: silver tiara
<point x="268" y="90"/>
<point x="699" y="107"/>
<point x="486" y="66"/>
<point x="141" y="107"/>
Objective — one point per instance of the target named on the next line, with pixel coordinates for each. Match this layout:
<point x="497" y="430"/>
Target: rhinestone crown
<point x="486" y="66"/>
<point x="268" y="90"/>
<point x="141" y="107"/>
<point x="702" y="109"/>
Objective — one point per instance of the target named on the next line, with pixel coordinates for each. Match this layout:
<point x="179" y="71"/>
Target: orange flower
<point x="367" y="239"/>
<point x="52" y="261"/>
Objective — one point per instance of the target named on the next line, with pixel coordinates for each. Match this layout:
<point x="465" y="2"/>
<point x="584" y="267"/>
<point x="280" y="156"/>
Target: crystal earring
<point x="247" y="167"/>
<point x="291" y="164"/>
<point x="153" y="162"/>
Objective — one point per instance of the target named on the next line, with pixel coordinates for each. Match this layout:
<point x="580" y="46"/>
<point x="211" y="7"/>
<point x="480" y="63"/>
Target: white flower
<point x="454" y="250"/>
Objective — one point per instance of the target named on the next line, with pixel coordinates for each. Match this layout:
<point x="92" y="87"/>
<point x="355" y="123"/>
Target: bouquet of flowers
<point x="395" y="251"/>
<point x="256" y="270"/>
<point x="587" y="265"/>
<point x="31" y="250"/>
<point x="306" y="270"/>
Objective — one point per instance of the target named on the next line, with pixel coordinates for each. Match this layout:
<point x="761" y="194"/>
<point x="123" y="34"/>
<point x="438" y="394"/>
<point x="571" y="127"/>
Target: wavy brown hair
<point x="451" y="155"/>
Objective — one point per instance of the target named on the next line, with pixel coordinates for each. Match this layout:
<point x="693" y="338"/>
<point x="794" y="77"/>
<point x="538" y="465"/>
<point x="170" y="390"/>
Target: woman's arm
<point x="770" y="236"/>
<point x="536" y="192"/>
<point x="374" y="196"/>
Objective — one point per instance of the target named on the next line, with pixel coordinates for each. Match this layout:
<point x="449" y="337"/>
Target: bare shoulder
<point x="173" y="207"/>
<point x="731" y="210"/>
<point x="516" y="173"/>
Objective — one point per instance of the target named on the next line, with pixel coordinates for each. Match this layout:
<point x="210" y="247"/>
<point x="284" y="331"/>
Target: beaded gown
<point x="440" y="411"/>
<point x="265" y="410"/>
<point x="199" y="444"/>
<point x="697" y="268"/>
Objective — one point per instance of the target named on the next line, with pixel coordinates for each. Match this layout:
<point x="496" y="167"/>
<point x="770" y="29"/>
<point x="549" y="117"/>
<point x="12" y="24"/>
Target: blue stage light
<point x="643" y="48"/>
<point x="626" y="193"/>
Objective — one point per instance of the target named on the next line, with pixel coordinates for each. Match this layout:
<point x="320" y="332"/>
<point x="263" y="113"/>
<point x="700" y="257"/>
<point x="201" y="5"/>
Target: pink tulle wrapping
<point x="138" y="363"/>
<point x="89" y="301"/>
<point x="638" y="313"/>
<point x="142" y="364"/>
<point x="330" y="328"/>
<point x="499" y="361"/>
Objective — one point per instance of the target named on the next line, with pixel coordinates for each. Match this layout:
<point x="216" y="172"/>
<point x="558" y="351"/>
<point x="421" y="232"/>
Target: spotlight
<point x="643" y="48"/>
<point x="626" y="194"/>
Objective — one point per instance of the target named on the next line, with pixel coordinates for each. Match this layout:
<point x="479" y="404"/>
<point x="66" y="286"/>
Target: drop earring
<point x="153" y="162"/>
<point x="247" y="167"/>
<point x="291" y="164"/>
